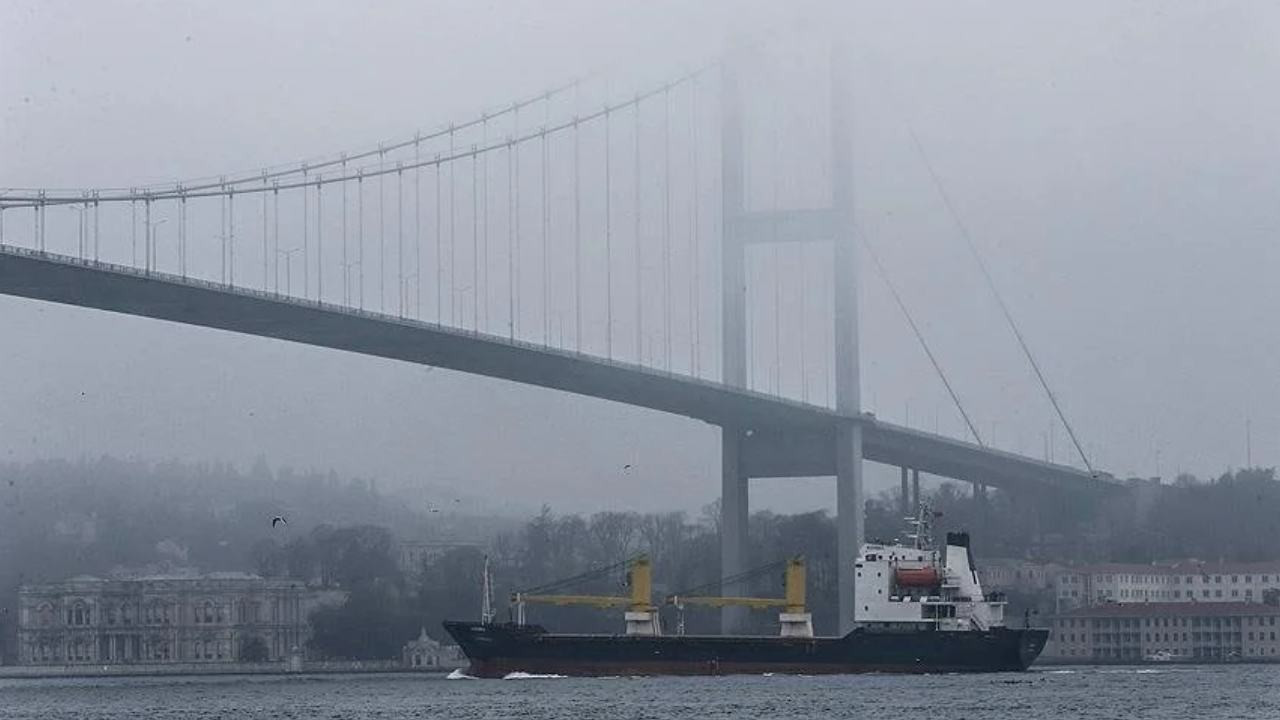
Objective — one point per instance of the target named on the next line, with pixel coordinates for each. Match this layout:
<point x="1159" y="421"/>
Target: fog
<point x="1116" y="164"/>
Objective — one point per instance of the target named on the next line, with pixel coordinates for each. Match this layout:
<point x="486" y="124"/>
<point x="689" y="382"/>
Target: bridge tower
<point x="774" y="452"/>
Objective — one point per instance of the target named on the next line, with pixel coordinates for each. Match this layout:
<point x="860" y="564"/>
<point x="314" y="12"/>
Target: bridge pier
<point x="904" y="500"/>
<point x="849" y="515"/>
<point x="734" y="511"/>
<point x="915" y="490"/>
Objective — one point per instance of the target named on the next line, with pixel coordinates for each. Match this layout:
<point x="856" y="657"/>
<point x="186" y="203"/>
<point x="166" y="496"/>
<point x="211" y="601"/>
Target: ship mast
<point x="486" y="595"/>
<point x="921" y="527"/>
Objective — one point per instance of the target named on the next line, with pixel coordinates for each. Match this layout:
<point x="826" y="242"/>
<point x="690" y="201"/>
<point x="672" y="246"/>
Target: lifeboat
<point x="917" y="577"/>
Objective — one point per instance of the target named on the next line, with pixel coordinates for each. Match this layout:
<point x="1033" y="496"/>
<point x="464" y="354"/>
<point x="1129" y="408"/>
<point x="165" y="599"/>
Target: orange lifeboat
<point x="917" y="577"/>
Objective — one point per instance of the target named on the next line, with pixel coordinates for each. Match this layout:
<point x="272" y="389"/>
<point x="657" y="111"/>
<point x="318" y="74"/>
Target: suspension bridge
<point x="623" y="250"/>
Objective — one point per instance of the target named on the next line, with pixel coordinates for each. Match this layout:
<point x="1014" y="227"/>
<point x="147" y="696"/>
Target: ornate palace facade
<point x="214" y="618"/>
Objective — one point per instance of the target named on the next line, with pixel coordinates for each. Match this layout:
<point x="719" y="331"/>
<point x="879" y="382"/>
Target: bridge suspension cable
<point x="303" y="167"/>
<point x="995" y="291"/>
<point x="41" y="199"/>
<point x="915" y="329"/>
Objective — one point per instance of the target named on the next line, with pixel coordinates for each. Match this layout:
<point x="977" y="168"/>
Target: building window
<point x="79" y="614"/>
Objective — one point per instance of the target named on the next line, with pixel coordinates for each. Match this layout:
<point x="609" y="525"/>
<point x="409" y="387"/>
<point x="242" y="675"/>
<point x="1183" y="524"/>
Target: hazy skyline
<point x="1118" y="167"/>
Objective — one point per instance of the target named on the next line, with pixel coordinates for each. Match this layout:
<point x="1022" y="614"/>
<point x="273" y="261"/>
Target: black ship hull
<point x="497" y="650"/>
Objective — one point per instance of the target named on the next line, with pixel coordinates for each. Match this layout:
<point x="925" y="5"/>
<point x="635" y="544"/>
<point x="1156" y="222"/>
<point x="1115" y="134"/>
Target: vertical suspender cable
<point x="382" y="232"/>
<point x="439" y="254"/>
<point x="146" y="204"/>
<point x="40" y="228"/>
<point x="512" y="219"/>
<point x="133" y="230"/>
<point x="80" y="229"/>
<point x="546" y="291"/>
<point x="266" y="246"/>
<point x="44" y="223"/>
<point x="222" y="236"/>
<point x="577" y="238"/>
<point x="360" y="232"/>
<point x="400" y="237"/>
<point x="475" y="240"/>
<point x="639" y="266"/>
<point x="319" y="239"/>
<point x="453" y="244"/>
<point x="231" y="237"/>
<point x="96" y="227"/>
<point x="417" y="229"/>
<point x="484" y="239"/>
<point x="402" y="279"/>
<point x="346" y="256"/>
<point x="695" y="318"/>
<point x="306" y="240"/>
<point x="515" y="221"/>
<point x="182" y="235"/>
<point x="608" y="240"/>
<point x="666" y="226"/>
<point x="275" y="233"/>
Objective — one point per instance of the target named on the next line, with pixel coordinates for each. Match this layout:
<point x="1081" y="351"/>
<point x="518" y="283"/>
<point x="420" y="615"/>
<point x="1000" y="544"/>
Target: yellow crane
<point x="640" y="614"/>
<point x="794" y="619"/>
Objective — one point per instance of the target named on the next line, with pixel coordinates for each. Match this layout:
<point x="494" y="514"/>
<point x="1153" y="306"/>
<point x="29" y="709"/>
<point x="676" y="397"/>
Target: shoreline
<point x="41" y="672"/>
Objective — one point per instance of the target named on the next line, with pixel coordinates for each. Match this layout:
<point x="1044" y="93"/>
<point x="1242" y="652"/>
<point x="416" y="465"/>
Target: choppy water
<point x="1165" y="693"/>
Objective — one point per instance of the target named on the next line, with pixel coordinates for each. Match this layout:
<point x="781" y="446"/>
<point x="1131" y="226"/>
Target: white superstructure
<point x="916" y="586"/>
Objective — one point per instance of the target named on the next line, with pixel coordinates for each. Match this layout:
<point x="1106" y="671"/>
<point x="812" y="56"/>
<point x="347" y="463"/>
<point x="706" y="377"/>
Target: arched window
<point x="208" y="611"/>
<point x="44" y="615"/>
<point x="79" y="613"/>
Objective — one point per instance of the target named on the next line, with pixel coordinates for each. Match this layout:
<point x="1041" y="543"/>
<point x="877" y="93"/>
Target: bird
<point x="278" y="520"/>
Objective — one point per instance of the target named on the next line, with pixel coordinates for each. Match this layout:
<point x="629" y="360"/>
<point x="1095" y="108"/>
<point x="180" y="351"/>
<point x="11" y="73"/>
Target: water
<point x="1164" y="693"/>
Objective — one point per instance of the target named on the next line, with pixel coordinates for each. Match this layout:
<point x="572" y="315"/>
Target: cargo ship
<point x="919" y="610"/>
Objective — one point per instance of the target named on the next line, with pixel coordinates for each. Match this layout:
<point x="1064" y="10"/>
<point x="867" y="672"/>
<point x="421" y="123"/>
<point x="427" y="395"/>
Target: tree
<point x="254" y="650"/>
<point x="373" y="624"/>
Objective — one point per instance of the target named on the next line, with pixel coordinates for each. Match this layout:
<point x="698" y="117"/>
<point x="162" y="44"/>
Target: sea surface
<point x="1164" y="693"/>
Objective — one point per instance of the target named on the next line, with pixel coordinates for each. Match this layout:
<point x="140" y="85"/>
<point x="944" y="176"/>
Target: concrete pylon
<point x="740" y="227"/>
<point x="849" y="491"/>
<point x="733" y="482"/>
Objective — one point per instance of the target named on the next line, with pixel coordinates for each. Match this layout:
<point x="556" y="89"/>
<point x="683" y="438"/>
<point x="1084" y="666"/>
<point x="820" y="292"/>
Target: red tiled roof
<point x="1150" y="609"/>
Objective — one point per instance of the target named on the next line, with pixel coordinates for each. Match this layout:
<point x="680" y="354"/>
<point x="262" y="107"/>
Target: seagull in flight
<point x="278" y="520"/>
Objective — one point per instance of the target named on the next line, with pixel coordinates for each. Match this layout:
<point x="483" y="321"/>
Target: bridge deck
<point x="788" y="436"/>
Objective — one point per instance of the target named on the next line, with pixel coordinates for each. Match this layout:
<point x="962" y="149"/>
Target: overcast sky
<point x="1118" y="164"/>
